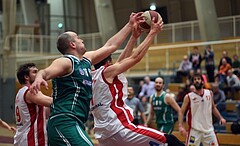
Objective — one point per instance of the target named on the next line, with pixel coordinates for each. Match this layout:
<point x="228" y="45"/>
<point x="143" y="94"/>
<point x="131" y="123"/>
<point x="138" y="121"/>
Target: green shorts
<point x="166" y="128"/>
<point x="64" y="130"/>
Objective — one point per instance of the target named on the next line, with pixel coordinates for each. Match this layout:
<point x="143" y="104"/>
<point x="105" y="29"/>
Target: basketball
<point x="148" y="16"/>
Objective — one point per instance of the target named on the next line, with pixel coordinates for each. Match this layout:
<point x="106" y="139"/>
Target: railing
<point x="160" y="58"/>
<point x="172" y="33"/>
<point x="24" y="46"/>
<point x="42" y="44"/>
<point x="166" y="58"/>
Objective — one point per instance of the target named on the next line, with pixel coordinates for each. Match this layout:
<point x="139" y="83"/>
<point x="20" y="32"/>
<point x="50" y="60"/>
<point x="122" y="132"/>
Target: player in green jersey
<point x="162" y="105"/>
<point x="72" y="84"/>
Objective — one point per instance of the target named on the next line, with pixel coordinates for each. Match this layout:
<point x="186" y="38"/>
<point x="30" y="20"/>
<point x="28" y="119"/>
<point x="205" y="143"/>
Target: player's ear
<point x="72" y="44"/>
<point x="26" y="77"/>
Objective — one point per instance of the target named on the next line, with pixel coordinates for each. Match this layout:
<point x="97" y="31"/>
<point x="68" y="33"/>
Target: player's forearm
<point x="5" y="125"/>
<point x="149" y="119"/>
<point x="144" y="46"/>
<point x="217" y="114"/>
<point x="180" y="119"/>
<point x="117" y="40"/>
<point x="128" y="49"/>
<point x="42" y="74"/>
<point x="144" y="117"/>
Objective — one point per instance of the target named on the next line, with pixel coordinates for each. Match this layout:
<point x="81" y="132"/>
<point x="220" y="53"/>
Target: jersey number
<point x="18" y="117"/>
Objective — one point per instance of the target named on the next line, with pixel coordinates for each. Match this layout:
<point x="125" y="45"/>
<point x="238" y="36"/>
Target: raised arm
<point x="114" y="42"/>
<point x="119" y="67"/>
<point x="136" y="32"/>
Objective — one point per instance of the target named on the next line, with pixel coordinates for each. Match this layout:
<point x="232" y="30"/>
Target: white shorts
<point x="140" y="136"/>
<point x="196" y="137"/>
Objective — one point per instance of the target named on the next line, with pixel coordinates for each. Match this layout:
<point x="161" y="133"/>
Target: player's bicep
<point x="99" y="54"/>
<point x="173" y="103"/>
<point x="59" y="67"/>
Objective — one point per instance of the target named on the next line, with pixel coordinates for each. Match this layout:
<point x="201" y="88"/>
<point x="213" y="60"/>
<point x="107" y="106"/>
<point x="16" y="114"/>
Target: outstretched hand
<point x="156" y="27"/>
<point x="36" y="85"/>
<point x="136" y="18"/>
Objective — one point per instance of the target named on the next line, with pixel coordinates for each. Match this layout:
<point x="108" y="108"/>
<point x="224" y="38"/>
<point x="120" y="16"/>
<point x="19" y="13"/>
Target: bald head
<point x="159" y="84"/>
<point x="63" y="41"/>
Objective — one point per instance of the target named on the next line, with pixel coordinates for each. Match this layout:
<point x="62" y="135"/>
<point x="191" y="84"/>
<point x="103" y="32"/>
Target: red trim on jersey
<point x="24" y="95"/>
<point x="30" y="135"/>
<point x="155" y="134"/>
<point x="40" y="126"/>
<point x="189" y="118"/>
<point x="32" y="112"/>
<point x="189" y="114"/>
<point x="117" y="104"/>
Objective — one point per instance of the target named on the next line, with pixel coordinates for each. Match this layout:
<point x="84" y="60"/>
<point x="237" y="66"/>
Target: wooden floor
<point x="225" y="139"/>
<point x="6" y="138"/>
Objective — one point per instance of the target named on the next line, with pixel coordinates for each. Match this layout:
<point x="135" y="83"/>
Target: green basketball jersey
<point x="163" y="111"/>
<point x="72" y="93"/>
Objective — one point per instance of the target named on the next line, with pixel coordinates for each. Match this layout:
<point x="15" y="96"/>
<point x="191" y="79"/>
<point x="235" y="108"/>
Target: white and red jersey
<point x="110" y="112"/>
<point x="30" y="121"/>
<point x="199" y="116"/>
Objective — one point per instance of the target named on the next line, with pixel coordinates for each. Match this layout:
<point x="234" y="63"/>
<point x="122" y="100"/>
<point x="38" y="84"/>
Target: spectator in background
<point x="183" y="70"/>
<point x="196" y="59"/>
<point x="222" y="73"/>
<point x="219" y="98"/>
<point x="139" y="88"/>
<point x="148" y="88"/>
<point x="228" y="59"/>
<point x="220" y="86"/>
<point x="209" y="63"/>
<point x="136" y="105"/>
<point x="146" y="106"/>
<point x="236" y="65"/>
<point x="205" y="80"/>
<point x="233" y="83"/>
<point x="181" y="93"/>
<point x="190" y="75"/>
<point x="192" y="88"/>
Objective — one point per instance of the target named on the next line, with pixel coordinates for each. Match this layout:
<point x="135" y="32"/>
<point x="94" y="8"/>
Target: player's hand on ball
<point x="135" y="19"/>
<point x="156" y="27"/>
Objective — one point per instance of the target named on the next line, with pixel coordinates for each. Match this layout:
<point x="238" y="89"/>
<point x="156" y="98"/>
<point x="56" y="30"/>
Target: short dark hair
<point x="24" y="70"/>
<point x="197" y="75"/>
<point x="103" y="62"/>
<point x="63" y="42"/>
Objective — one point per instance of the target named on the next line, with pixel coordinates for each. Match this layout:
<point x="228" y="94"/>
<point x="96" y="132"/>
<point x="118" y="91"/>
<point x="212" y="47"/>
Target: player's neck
<point x="159" y="93"/>
<point x="199" y="91"/>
